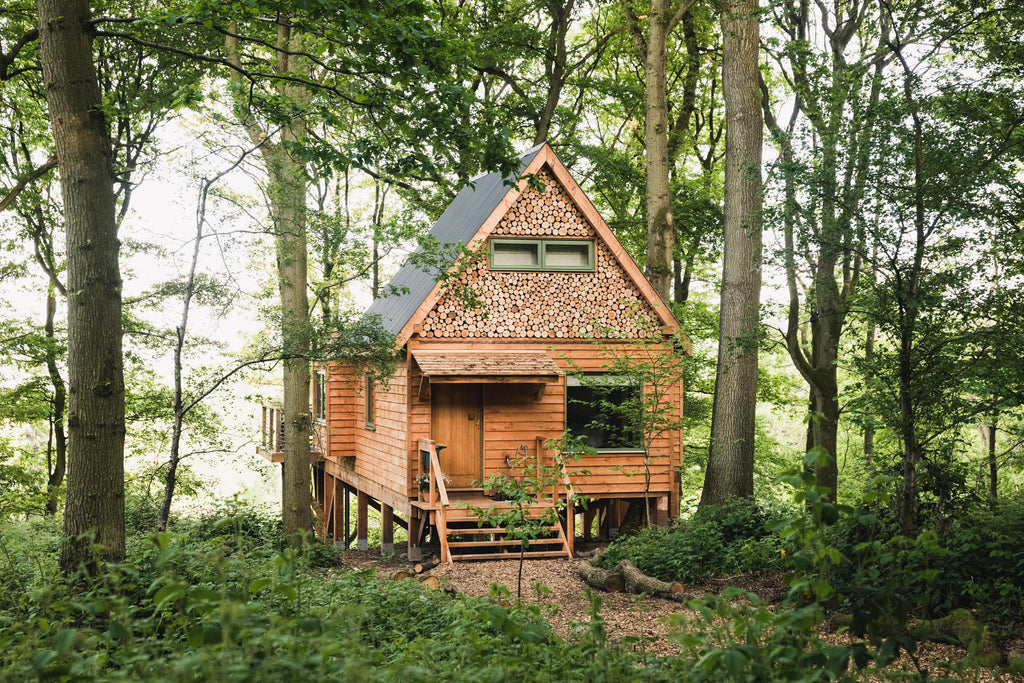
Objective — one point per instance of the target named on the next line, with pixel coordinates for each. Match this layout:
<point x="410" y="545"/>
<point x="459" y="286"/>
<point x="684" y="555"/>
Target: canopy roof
<point x="439" y="364"/>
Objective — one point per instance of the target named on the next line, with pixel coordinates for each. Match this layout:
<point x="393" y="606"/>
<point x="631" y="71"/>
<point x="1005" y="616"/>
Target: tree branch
<point x="24" y="181"/>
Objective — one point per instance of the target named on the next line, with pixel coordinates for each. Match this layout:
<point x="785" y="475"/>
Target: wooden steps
<point x="511" y="555"/>
<point x="467" y="512"/>
<point x="465" y="536"/>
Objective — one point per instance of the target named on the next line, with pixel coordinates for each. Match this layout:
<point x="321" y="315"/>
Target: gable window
<point x="370" y="401"/>
<point x="320" y="395"/>
<point x="599" y="407"/>
<point x="531" y="254"/>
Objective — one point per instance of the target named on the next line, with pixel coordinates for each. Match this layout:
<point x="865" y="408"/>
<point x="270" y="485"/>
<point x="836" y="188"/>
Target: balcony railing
<point x="271" y="445"/>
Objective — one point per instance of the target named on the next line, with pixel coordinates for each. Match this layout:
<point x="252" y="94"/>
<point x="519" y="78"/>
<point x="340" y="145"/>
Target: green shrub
<point x="730" y="539"/>
<point x="196" y="606"/>
<point x="973" y="561"/>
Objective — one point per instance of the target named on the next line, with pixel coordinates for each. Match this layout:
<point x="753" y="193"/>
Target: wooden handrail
<point x="566" y="483"/>
<point x="437" y="476"/>
<point x="437" y="486"/>
<point x="437" y="479"/>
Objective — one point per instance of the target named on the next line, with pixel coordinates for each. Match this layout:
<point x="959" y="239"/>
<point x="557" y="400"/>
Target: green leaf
<point x="63" y="641"/>
<point x="287" y="591"/>
<point x="168" y="594"/>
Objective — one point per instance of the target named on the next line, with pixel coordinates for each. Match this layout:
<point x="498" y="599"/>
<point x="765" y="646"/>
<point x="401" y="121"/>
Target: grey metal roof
<point x="456" y="226"/>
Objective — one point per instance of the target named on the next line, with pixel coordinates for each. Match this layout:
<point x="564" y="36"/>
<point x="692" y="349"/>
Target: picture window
<point x="598" y="407"/>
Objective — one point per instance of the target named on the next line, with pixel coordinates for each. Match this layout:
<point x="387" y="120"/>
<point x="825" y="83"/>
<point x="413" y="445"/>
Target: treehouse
<point x="497" y="357"/>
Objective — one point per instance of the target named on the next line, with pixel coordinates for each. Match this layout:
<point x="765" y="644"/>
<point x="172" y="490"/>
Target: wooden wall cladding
<point x="543" y="305"/>
<point x="381" y="452"/>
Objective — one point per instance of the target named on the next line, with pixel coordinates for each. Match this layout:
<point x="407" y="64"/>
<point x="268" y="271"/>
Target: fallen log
<point x="632" y="580"/>
<point x="425" y="565"/>
<point x="600" y="578"/>
<point x="638" y="582"/>
<point x="593" y="555"/>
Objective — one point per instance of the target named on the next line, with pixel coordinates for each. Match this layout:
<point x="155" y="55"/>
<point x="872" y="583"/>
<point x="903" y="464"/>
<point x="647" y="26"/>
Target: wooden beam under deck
<point x="399" y="502"/>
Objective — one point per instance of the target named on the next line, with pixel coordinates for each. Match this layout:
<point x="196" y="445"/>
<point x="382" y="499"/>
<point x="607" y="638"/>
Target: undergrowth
<point x="220" y="599"/>
<point x="722" y="541"/>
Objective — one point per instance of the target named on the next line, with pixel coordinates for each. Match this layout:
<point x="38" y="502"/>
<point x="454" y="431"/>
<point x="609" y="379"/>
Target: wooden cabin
<point x="489" y="363"/>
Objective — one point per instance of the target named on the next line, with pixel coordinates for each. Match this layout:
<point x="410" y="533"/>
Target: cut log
<point x="425" y="565"/>
<point x="600" y="578"/>
<point x="431" y="582"/>
<point x="399" y="575"/>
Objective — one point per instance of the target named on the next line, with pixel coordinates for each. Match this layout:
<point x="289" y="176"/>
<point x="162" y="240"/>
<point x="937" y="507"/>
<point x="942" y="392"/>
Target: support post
<point x="604" y="528"/>
<point x="414" y="550"/>
<point x="662" y="510"/>
<point x="348" y="517"/>
<point x="387" y="528"/>
<point x="588" y="522"/>
<point x="362" y="505"/>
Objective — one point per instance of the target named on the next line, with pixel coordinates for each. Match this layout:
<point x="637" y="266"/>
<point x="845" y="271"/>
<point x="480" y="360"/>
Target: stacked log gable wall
<point x="541" y="305"/>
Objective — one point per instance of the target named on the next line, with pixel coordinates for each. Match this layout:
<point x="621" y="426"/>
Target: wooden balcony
<point x="271" y="445"/>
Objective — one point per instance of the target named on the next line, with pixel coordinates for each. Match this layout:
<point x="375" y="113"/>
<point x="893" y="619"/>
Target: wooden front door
<point x="456" y="420"/>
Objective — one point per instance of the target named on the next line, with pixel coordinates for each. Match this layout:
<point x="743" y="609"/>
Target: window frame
<point x="369" y="401"/>
<point x="611" y="380"/>
<point x="542" y="245"/>
<point x="320" y="396"/>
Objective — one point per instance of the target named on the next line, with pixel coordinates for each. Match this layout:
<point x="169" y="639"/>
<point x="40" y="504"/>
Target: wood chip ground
<point x="639" y="620"/>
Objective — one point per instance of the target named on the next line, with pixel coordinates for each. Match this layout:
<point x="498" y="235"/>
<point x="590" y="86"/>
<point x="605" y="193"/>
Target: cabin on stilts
<point x="494" y="362"/>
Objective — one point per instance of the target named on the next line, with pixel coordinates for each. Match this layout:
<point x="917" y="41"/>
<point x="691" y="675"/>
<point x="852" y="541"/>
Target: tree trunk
<point x="288" y="184"/>
<point x="174" y="458"/>
<point x="907" y="301"/>
<point x="730" y="470"/>
<point x="55" y="474"/>
<point x="96" y="426"/>
<point x="869" y="417"/>
<point x="556" y="68"/>
<point x="661" y="233"/>
<point x="993" y="461"/>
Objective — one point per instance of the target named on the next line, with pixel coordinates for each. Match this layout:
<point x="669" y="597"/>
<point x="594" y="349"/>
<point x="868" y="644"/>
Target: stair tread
<point x="492" y="530"/>
<point x="509" y="556"/>
<point x="508" y="542"/>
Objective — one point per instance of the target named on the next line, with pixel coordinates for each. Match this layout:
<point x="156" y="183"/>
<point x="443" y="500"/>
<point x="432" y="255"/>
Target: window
<point x="599" y="407"/>
<point x="320" y="395"/>
<point x="529" y="254"/>
<point x="370" y="401"/>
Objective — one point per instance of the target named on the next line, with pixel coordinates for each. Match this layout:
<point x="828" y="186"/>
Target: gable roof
<point x="457" y="225"/>
<point x="473" y="214"/>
